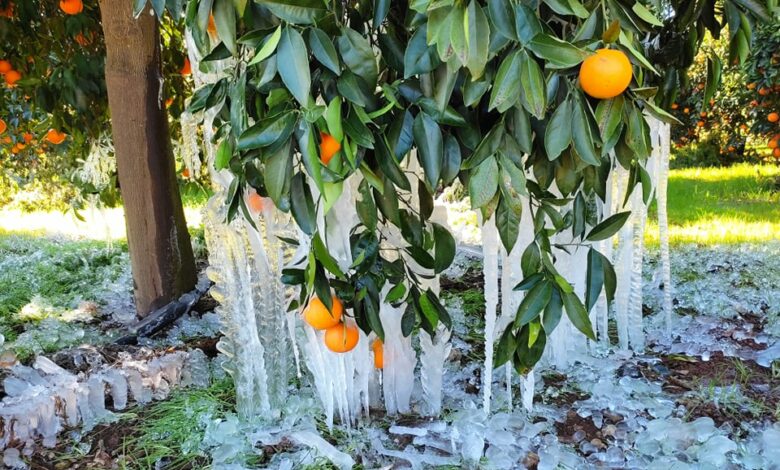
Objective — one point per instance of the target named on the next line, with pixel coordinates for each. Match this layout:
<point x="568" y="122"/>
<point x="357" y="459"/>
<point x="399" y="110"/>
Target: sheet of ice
<point x="323" y="448"/>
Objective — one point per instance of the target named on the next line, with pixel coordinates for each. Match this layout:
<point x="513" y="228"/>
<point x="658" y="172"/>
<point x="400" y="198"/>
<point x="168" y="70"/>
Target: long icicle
<point x="663" y="222"/>
<point x="490" y="244"/>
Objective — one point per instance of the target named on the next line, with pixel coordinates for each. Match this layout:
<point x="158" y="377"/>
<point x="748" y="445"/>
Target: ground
<point x="707" y="396"/>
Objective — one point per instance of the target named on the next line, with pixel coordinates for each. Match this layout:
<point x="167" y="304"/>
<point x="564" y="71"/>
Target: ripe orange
<point x="731" y="148"/>
<point x="772" y="144"/>
<point x="255" y="202"/>
<point x="743" y="127"/>
<point x="379" y="353"/>
<point x="751" y="86"/>
<point x="764" y="91"/>
<point x="186" y="69"/>
<point x="55" y="137"/>
<point x="71" y="7"/>
<point x="329" y="147"/>
<point x="11" y="77"/>
<point x="605" y="74"/>
<point x="27" y="137"/>
<point x="168" y="102"/>
<point x="3" y="126"/>
<point x="700" y="86"/>
<point x="675" y="105"/>
<point x="7" y="140"/>
<point x="773" y="117"/>
<point x="5" y="67"/>
<point x="185" y="173"/>
<point x="8" y="11"/>
<point x="15" y="149"/>
<point x="342" y="337"/>
<point x="703" y="114"/>
<point x="776" y="152"/>
<point x="686" y="110"/>
<point x="318" y="316"/>
<point x="700" y="124"/>
<point x="20" y="146"/>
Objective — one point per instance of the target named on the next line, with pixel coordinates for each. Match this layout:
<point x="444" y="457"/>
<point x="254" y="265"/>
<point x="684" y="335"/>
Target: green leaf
<point x="557" y="135"/>
<point x="224" y="154"/>
<point x="365" y="206"/>
<point x="612" y="33"/>
<point x="626" y="42"/>
<point x="302" y="204"/>
<point x="477" y="35"/>
<point x="357" y="54"/>
<point x="429" y="311"/>
<point x="409" y="319"/>
<point x="533" y="303"/>
<point x="714" y="69"/>
<point x="534" y="96"/>
<point x="278" y="172"/>
<point x="293" y="64"/>
<point x="483" y="183"/>
<point x="508" y="215"/>
<point x="503" y="17"/>
<point x="444" y="248"/>
<point x="643" y="13"/>
<point x="268" y="132"/>
<point x="530" y="260"/>
<point x="506" y="348"/>
<point x="419" y="57"/>
<point x="610" y="278"/>
<point x="594" y="279"/>
<point x="225" y="20"/>
<point x="559" y="54"/>
<point x="552" y="312"/>
<point x="323" y="256"/>
<point x="296" y="11"/>
<point x="452" y="160"/>
<point x="324" y="50"/>
<point x="389" y="166"/>
<point x="577" y="314"/>
<point x="506" y="87"/>
<point x="608" y="227"/>
<point x="582" y="134"/>
<point x="609" y="115"/>
<point x="430" y="147"/>
<point x="527" y="23"/>
<point x="381" y="7"/>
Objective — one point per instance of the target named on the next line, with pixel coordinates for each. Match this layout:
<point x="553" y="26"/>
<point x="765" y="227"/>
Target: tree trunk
<point x="160" y="252"/>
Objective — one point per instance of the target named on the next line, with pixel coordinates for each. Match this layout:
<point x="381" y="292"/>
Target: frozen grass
<point x="722" y="205"/>
<point x="52" y="276"/>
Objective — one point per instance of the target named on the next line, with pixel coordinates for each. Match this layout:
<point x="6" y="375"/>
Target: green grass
<point x="57" y="275"/>
<point x="722" y="205"/>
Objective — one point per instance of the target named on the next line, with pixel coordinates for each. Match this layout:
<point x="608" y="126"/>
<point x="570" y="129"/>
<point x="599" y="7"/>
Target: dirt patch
<point x="558" y="391"/>
<point x="471" y="279"/>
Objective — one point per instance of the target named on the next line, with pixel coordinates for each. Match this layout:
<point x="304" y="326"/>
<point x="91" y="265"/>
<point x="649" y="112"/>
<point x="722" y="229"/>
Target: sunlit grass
<point x="722" y="205"/>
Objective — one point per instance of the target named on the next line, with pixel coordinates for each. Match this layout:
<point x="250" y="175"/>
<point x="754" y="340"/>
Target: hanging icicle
<point x="490" y="245"/>
<point x="664" y="143"/>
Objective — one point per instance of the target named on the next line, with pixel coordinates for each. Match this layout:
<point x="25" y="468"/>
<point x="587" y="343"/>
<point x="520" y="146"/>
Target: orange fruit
<point x="55" y="137"/>
<point x="686" y="110"/>
<point x="772" y="144"/>
<point x="27" y="137"/>
<point x="20" y="146"/>
<point x="754" y="103"/>
<point x="186" y="69"/>
<point x="71" y="7"/>
<point x="700" y="124"/>
<point x="776" y="152"/>
<point x="255" y="202"/>
<point x="731" y="148"/>
<point x="82" y="40"/>
<point x="743" y="127"/>
<point x="700" y="86"/>
<point x="703" y="114"/>
<point x="764" y="91"/>
<point x="11" y="77"/>
<point x="7" y="140"/>
<point x="5" y="67"/>
<point x="675" y="105"/>
<point x="318" y="316"/>
<point x="15" y="149"/>
<point x="773" y="117"/>
<point x="212" y="28"/>
<point x="379" y="353"/>
<point x="168" y="102"/>
<point x="751" y="86"/>
<point x="342" y="337"/>
<point x="329" y="147"/>
<point x="605" y="74"/>
<point x="3" y="126"/>
<point x="185" y="173"/>
<point x="8" y="11"/>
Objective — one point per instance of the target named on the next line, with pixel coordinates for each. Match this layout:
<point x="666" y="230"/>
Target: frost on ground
<point x="707" y="398"/>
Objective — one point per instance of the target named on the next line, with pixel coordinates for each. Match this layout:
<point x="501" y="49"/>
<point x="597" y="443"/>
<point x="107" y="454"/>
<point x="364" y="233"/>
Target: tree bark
<point x="160" y="251"/>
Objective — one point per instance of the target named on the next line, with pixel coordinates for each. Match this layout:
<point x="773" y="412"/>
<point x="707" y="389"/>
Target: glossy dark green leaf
<point x="296" y="11"/>
<point x="533" y="303"/>
<point x="487" y="147"/>
<point x="608" y="227"/>
<point x="477" y="38"/>
<point x="444" y="248"/>
<point x="396" y="293"/>
<point x="557" y="53"/>
<point x="527" y="23"/>
<point x="506" y="348"/>
<point x="224" y="154"/>
<point x="452" y="160"/>
<point x="552" y="312"/>
<point x="302" y="204"/>
<point x="483" y="183"/>
<point x="419" y="57"/>
<point x="506" y="87"/>
<point x="408" y="319"/>
<point x="293" y="65"/>
<point x="430" y="147"/>
<point x="324" y="51"/>
<point x="530" y="260"/>
<point x="381" y="7"/>
<point x="508" y="216"/>
<point x="389" y="166"/>
<point x="358" y="56"/>
<point x="267" y="132"/>
<point x="323" y="256"/>
<point x="225" y="20"/>
<point x="503" y="17"/>
<point x="609" y="114"/>
<point x="594" y="279"/>
<point x="322" y="287"/>
<point x="582" y="134"/>
<point x="534" y="96"/>
<point x="278" y="172"/>
<point x="557" y="135"/>
<point x="365" y="206"/>
<point x="577" y="314"/>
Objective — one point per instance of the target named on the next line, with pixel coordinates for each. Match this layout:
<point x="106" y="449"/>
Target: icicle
<point x="623" y="264"/>
<point x="399" y="360"/>
<point x="635" y="328"/>
<point x="490" y="245"/>
<point x="663" y="222"/>
<point x="434" y="352"/>
<point x="527" y="384"/>
<point x="189" y="148"/>
<point x="600" y="315"/>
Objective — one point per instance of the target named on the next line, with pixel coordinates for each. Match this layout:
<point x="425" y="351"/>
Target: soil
<point x="471" y="279"/>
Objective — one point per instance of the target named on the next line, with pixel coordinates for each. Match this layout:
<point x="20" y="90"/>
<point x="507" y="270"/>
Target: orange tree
<point x="484" y="91"/>
<point x="53" y="101"/>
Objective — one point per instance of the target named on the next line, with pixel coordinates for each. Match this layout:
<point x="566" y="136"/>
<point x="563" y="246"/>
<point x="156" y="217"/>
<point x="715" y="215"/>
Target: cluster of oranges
<point x="341" y="335"/>
<point x="10" y="75"/>
<point x="53" y="137"/>
<point x="772" y="117"/>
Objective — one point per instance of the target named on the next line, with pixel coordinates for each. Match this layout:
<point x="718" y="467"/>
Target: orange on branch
<point x="751" y="86"/>
<point x="675" y="105"/>
<point x="342" y="337"/>
<point x="318" y="316"/>
<point x="27" y="137"/>
<point x="3" y="126"/>
<point x="168" y="102"/>
<point x="776" y="152"/>
<point x="700" y="124"/>
<point x="212" y="27"/>
<point x="703" y="114"/>
<point x="11" y="77"/>
<point x="71" y="7"/>
<point x="605" y="74"/>
<point x="329" y="147"/>
<point x="8" y="11"/>
<point x="186" y="69"/>
<point x="686" y="110"/>
<point x="772" y="144"/>
<point x="773" y="117"/>
<point x="5" y="67"/>
<point x="185" y="173"/>
<point x="379" y="353"/>
<point x="255" y="202"/>
<point x="55" y="137"/>
<point x="764" y="91"/>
